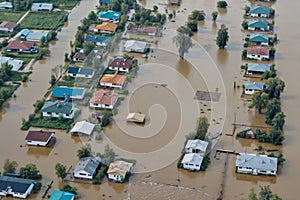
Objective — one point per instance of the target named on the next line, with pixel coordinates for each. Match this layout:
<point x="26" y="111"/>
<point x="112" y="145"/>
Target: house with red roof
<point x="113" y="81"/>
<point x="120" y="64"/>
<point x="39" y="138"/>
<point x="103" y="99"/>
<point x="21" y="46"/>
<point x="258" y="53"/>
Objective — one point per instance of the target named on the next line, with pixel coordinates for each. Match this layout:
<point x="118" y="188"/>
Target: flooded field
<point x="164" y="90"/>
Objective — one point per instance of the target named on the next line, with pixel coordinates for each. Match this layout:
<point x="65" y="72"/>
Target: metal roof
<point x="261" y="162"/>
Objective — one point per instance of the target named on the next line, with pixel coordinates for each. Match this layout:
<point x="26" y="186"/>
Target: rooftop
<point x="80" y="70"/>
<point x="97" y="38"/>
<point x="262" y="162"/>
<point x="120" y="63"/>
<point x="18" y="185"/>
<point x="109" y="14"/>
<point x="61" y="195"/>
<point x="258" y="67"/>
<point x="16" y="44"/>
<point x="88" y="164"/>
<point x="40" y="136"/>
<point x="263" y="51"/>
<point x="113" y="78"/>
<point x="104" y="97"/>
<point x="255" y="86"/>
<point x="197" y="144"/>
<point x="119" y="167"/>
<point x="192" y="158"/>
<point x="107" y="26"/>
<point x="83" y="127"/>
<point x="58" y="107"/>
<point x="9" y="25"/>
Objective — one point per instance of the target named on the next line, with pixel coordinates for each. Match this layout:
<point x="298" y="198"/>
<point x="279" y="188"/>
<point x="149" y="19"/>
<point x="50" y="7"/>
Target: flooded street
<point x="164" y="90"/>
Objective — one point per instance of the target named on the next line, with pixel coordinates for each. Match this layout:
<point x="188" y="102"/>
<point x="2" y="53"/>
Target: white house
<point x="192" y="161"/>
<point x="103" y="99"/>
<point x="135" y="46"/>
<point x="15" y="63"/>
<point x="82" y="127"/>
<point x="7" y="26"/>
<point x="16" y="187"/>
<point x="87" y="168"/>
<point x="6" y="5"/>
<point x="256" y="164"/>
<point x="42" y="7"/>
<point x="117" y="170"/>
<point x="113" y="81"/>
<point x="196" y="146"/>
<point x="56" y="109"/>
<point x="80" y="72"/>
<point x="260" y="11"/>
<point x="39" y="138"/>
<point x="251" y="87"/>
<point x="258" y="53"/>
<point x="120" y="64"/>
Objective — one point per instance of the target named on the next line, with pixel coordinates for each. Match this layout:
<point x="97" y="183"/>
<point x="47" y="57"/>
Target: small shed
<point x="82" y="127"/>
<point x="136" y="117"/>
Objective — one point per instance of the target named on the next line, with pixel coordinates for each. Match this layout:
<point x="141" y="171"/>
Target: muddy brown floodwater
<point x="164" y="91"/>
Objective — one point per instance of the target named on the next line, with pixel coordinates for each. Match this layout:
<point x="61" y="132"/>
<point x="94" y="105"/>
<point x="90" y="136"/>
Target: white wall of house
<point x="80" y="75"/>
<point x="191" y="166"/>
<point x="261" y="29"/>
<point x="115" y="177"/>
<point x="95" y="105"/>
<point x="77" y="60"/>
<point x="258" y="15"/>
<point x="67" y="116"/>
<point x="121" y="69"/>
<point x="18" y="195"/>
<point x="248" y="170"/>
<point x="115" y="21"/>
<point x="257" y="57"/>
<point x="83" y="174"/>
<point x="111" y="85"/>
<point x="6" y="29"/>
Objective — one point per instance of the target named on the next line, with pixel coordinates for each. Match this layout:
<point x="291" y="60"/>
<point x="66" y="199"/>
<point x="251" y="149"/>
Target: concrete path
<point x="20" y="20"/>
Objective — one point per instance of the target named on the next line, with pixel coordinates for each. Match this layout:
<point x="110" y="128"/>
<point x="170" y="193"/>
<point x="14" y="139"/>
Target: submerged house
<point x="142" y="29"/>
<point x="21" y="46"/>
<point x="8" y="26"/>
<point x="256" y="164"/>
<point x="109" y="16"/>
<point x="259" y="39"/>
<point x="103" y="99"/>
<point x="80" y="72"/>
<point x="39" y="138"/>
<point x="120" y="64"/>
<point x="251" y="87"/>
<point x="16" y="187"/>
<point x="196" y="146"/>
<point x="258" y="53"/>
<point x="257" y="68"/>
<point x="56" y="109"/>
<point x="62" y="195"/>
<point x="118" y="170"/>
<point x="135" y="46"/>
<point x="113" y="81"/>
<point x="192" y="161"/>
<point x="258" y="25"/>
<point x="260" y="11"/>
<point x="41" y="7"/>
<point x="97" y="40"/>
<point x="87" y="168"/>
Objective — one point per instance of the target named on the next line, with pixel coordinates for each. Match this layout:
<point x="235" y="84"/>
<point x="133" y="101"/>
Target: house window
<point x="57" y="113"/>
<point x="67" y="115"/>
<point x="82" y="174"/>
<point x="48" y="113"/>
<point x="197" y="165"/>
<point x="272" y="171"/>
<point x="191" y="164"/>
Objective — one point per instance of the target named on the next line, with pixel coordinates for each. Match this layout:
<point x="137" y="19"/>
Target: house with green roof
<point x="61" y="195"/>
<point x="257" y="68"/>
<point x="109" y="16"/>
<point x="80" y="72"/>
<point x="259" y="39"/>
<point x="258" y="25"/>
<point x="56" y="109"/>
<point x="260" y="11"/>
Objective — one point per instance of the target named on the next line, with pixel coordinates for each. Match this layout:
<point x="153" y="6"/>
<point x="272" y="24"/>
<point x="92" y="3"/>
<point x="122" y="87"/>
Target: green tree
<point x="115" y="5"/>
<point x="30" y="171"/>
<point x="275" y="137"/>
<point x="201" y="127"/>
<point x="67" y="57"/>
<point x="278" y="121"/>
<point x="155" y="8"/>
<point x="193" y="25"/>
<point x="61" y="171"/>
<point x="222" y="37"/>
<point x="108" y="156"/>
<point x="124" y="8"/>
<point x="43" y="41"/>
<point x="214" y="15"/>
<point x="245" y="25"/>
<point x="52" y="80"/>
<point x="9" y="166"/>
<point x="247" y="9"/>
<point x="105" y="120"/>
<point x="270" y="74"/>
<point x="198" y="15"/>
<point x="92" y="16"/>
<point x="274" y="86"/>
<point x="84" y="151"/>
<point x="265" y="193"/>
<point x="185" y="30"/>
<point x="259" y="101"/>
<point x="88" y="47"/>
<point x="183" y="41"/>
<point x="252" y="195"/>
<point x="222" y="4"/>
<point x="272" y="109"/>
<point x="38" y="105"/>
<point x="68" y="188"/>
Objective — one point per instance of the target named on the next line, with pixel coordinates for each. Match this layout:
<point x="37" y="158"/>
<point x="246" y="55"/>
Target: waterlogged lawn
<point x="11" y="16"/>
<point x="44" y="20"/>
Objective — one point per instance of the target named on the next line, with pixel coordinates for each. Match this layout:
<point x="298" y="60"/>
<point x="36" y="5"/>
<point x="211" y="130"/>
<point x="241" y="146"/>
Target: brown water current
<point x="164" y="91"/>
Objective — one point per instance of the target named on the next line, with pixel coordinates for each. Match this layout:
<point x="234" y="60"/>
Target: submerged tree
<point x="183" y="40"/>
<point x="278" y="121"/>
<point x="201" y="127"/>
<point x="222" y="37"/>
<point x="61" y="170"/>
<point x="84" y="151"/>
<point x="214" y="15"/>
<point x="9" y="166"/>
<point x="272" y="109"/>
<point x="222" y="4"/>
<point x="274" y="87"/>
<point x="259" y="101"/>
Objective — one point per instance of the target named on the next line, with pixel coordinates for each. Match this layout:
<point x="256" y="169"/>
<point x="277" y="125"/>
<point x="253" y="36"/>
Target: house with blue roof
<point x="61" y="92"/>
<point x="251" y="87"/>
<point x="34" y="36"/>
<point x="104" y="2"/>
<point x="259" y="39"/>
<point x="36" y="7"/>
<point x="109" y="16"/>
<point x="16" y="187"/>
<point x="258" y="25"/>
<point x="80" y="72"/>
<point x="260" y="11"/>
<point x="56" y="109"/>
<point x="61" y="195"/>
<point x="257" y="68"/>
<point x="97" y="40"/>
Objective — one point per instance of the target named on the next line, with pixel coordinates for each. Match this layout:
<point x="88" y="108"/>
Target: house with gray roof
<point x="135" y="46"/>
<point x="42" y="7"/>
<point x="34" y="36"/>
<point x="15" y="63"/>
<point x="258" y="25"/>
<point x="192" y="161"/>
<point x="259" y="11"/>
<point x="97" y="40"/>
<point x="87" y="167"/>
<point x="6" y="26"/>
<point x="80" y="72"/>
<point x="251" y="87"/>
<point x="6" y="5"/>
<point x="196" y="146"/>
<point x="257" y="68"/>
<point x="256" y="164"/>
<point x="16" y="187"/>
<point x="56" y="109"/>
<point x="259" y="39"/>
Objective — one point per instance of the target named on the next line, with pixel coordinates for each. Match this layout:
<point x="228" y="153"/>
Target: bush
<point x="222" y="4"/>
<point x="205" y="163"/>
<point x="179" y="164"/>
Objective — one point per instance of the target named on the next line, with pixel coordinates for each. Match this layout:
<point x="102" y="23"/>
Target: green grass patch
<point x="47" y="122"/>
<point x="6" y="91"/>
<point x="11" y="16"/>
<point x="65" y="5"/>
<point x="44" y="20"/>
<point x="18" y="76"/>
